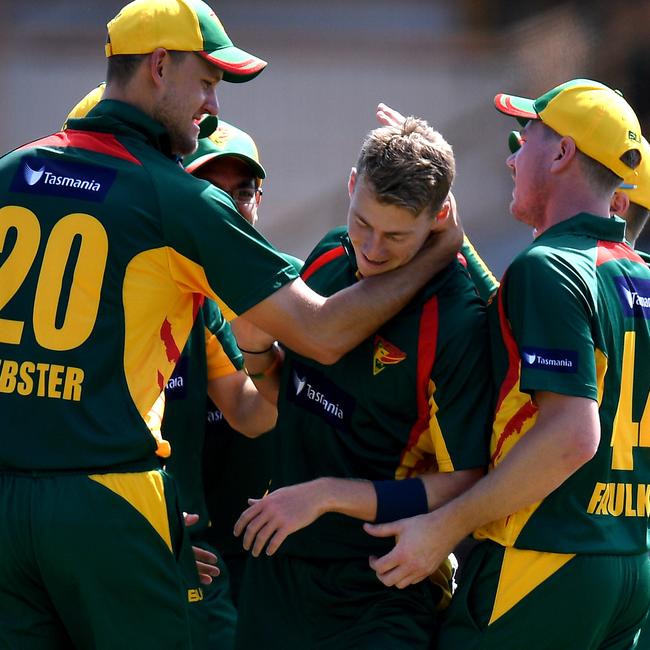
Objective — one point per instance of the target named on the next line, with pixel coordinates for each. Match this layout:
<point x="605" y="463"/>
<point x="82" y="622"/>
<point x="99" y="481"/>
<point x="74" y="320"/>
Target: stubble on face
<point x="530" y="192"/>
<point x="183" y="139"/>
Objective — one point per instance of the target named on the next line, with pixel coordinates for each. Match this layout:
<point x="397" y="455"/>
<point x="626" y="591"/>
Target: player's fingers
<point x="391" y="529"/>
<point x="385" y="563"/>
<point x="201" y="555"/>
<point x="408" y="579"/>
<point x="246" y="517"/>
<point x="190" y="519"/>
<point x="253" y="528"/>
<point x="261" y="538"/>
<point x="206" y="572"/>
<point x="275" y="542"/>
<point x="389" y="578"/>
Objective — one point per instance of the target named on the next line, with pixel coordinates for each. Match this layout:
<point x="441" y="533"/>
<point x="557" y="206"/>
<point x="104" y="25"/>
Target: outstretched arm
<point x="270" y="520"/>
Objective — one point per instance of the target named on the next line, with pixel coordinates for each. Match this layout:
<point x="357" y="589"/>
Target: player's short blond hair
<point x="411" y="165"/>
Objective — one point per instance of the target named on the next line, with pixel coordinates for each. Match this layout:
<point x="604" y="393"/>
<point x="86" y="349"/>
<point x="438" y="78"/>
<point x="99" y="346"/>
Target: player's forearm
<point x="264" y="370"/>
<point x="563" y="439"/>
<point x="352" y="497"/>
<point x="242" y="406"/>
<point x="442" y="487"/>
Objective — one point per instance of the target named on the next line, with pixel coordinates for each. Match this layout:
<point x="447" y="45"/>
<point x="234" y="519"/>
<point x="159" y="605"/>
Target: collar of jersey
<point x="601" y="228"/>
<point x="119" y="118"/>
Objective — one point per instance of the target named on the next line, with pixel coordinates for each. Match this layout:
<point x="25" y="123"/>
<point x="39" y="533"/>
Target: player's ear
<point x="619" y="204"/>
<point x="565" y="153"/>
<point x="352" y="181"/>
<point x="440" y="217"/>
<point x="158" y="61"/>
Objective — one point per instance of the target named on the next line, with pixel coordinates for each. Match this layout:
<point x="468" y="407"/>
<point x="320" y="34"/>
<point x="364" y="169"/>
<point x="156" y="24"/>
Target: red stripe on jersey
<point x="611" y="250"/>
<point x="166" y="336"/>
<point x="105" y="143"/>
<point x="512" y="376"/>
<point x="514" y="426"/>
<point x="427" y="344"/>
<point x="320" y="261"/>
<point x="462" y="259"/>
<point x="197" y="302"/>
<point x="514" y="360"/>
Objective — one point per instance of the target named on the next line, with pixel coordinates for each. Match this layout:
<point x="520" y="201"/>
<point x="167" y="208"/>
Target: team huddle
<point x="211" y="444"/>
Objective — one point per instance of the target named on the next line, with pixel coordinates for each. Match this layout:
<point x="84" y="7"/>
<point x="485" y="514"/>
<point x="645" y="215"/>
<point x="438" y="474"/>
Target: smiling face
<point x="189" y="91"/>
<point x="384" y="236"/>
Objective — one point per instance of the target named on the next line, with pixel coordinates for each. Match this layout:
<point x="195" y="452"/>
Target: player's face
<point x="529" y="167"/>
<point x="383" y="236"/>
<point x="234" y="176"/>
<point x="189" y="92"/>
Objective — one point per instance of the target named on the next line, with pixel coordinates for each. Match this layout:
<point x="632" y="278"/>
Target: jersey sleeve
<point x="550" y="312"/>
<point x="460" y="388"/>
<point x="213" y="250"/>
<point x="222" y="354"/>
<point x="486" y="284"/>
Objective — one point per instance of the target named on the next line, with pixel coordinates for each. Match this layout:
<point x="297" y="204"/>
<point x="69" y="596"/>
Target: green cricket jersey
<point x="414" y="397"/>
<point x="107" y="245"/>
<point x="210" y="352"/>
<point x="573" y="317"/>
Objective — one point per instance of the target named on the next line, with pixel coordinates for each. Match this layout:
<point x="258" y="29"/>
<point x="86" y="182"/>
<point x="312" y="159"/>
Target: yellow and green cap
<point x="86" y="103"/>
<point x="638" y="191"/>
<point x="182" y="25"/>
<point x="227" y="140"/>
<point x="600" y="121"/>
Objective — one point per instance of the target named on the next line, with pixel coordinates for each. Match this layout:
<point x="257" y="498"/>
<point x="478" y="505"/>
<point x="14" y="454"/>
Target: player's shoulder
<point x="333" y="242"/>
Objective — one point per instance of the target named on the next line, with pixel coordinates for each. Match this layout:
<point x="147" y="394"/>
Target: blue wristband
<point x="400" y="499"/>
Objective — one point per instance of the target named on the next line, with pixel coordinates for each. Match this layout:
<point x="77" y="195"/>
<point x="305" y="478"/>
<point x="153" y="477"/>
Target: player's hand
<point x="270" y="520"/>
<point x="418" y="551"/>
<point x="206" y="562"/>
<point x="388" y="116"/>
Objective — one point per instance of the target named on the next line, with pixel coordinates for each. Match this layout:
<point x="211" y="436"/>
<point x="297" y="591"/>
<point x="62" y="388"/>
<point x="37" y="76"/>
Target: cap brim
<point x="520" y="107"/>
<point x="258" y="170"/>
<point x="237" y="65"/>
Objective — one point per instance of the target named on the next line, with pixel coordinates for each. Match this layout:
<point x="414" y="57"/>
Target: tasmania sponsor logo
<point x="63" y="178"/>
<point x="634" y="295"/>
<point x="176" y="387"/>
<point x="553" y="360"/>
<point x="312" y="390"/>
<point x="386" y="354"/>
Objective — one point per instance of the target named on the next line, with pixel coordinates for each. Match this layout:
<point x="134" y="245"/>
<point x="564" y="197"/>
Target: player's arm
<point x="325" y="329"/>
<point x="262" y="357"/>
<point x="244" y="408"/>
<point x="267" y="522"/>
<point x="564" y="437"/>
